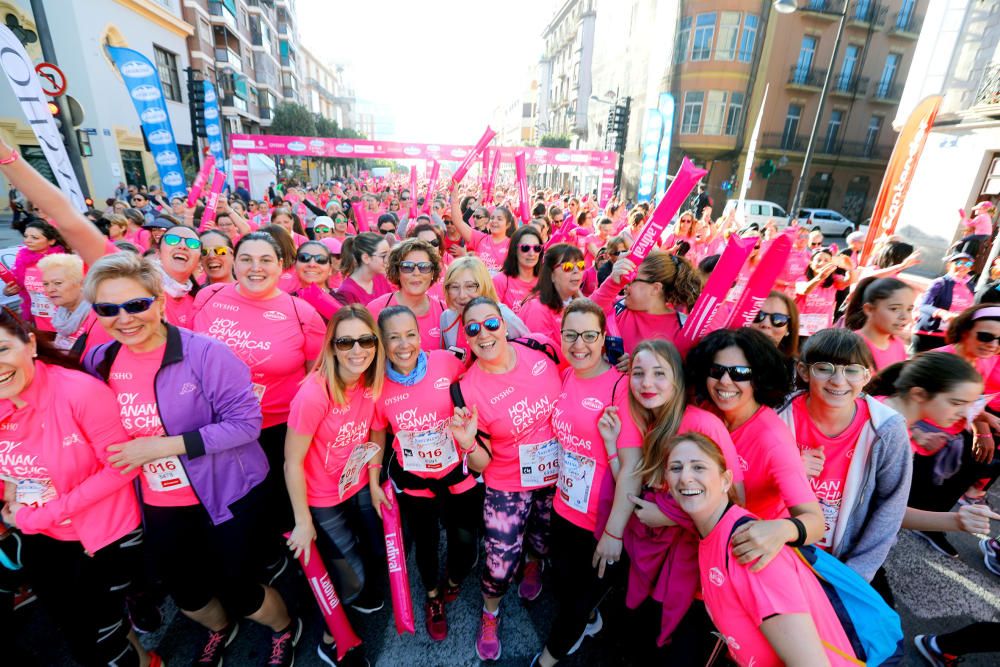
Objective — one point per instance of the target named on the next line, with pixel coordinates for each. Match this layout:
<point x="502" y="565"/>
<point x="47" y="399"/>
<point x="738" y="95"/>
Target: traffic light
<point x="617" y="133"/>
<point x="196" y="98"/>
<point x="53" y="109"/>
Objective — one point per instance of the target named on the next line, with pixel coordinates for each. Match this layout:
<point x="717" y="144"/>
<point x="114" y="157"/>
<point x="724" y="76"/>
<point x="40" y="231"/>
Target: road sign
<point x="52" y="79"/>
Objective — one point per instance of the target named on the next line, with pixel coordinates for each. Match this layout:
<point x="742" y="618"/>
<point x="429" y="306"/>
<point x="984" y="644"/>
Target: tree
<point x="292" y="119"/>
<point x="326" y="127"/>
<point x="554" y="141"/>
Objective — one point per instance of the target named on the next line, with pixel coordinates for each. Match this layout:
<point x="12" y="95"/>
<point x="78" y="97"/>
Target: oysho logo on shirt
<point x="121" y="376"/>
<point x="226" y="306"/>
<point x="716" y="577"/>
<point x="592" y="403"/>
<point x="274" y="316"/>
<point x="538" y="368"/>
<point x="435" y="332"/>
<point x="442" y="383"/>
<point x="502" y="395"/>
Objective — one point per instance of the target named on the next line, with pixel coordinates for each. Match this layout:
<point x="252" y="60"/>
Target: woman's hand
<point x="649" y="514"/>
<point x="9" y="513"/>
<point x="11" y="289"/>
<point x="609" y="426"/>
<point x="813" y="460"/>
<point x="983" y="448"/>
<point x="608" y="552"/>
<point x="464" y="424"/>
<point x="136" y="453"/>
<point x="761" y="541"/>
<point x="930" y="441"/>
<point x="302" y="536"/>
<point x="623" y="267"/>
<point x="975" y="519"/>
<point x="379" y="499"/>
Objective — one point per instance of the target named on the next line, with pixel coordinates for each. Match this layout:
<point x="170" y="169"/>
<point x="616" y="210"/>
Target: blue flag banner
<point x="144" y="88"/>
<point x="666" y="108"/>
<point x="213" y="126"/>
<point x="652" y="128"/>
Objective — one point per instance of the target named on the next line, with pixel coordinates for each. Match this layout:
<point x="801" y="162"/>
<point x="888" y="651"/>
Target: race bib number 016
<point x="427" y="451"/>
<point x="539" y="463"/>
<point x="166" y="474"/>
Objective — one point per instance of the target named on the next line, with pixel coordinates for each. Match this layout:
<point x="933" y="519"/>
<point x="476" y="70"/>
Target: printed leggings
<point x="510" y="518"/>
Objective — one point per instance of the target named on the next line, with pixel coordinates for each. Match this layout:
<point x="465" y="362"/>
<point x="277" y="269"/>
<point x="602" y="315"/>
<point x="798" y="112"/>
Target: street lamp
<point x="788" y="7"/>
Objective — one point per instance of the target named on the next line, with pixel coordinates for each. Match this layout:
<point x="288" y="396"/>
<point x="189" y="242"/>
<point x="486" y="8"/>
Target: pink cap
<point x="333" y="245"/>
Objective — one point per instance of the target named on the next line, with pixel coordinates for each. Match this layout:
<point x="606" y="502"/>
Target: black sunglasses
<point x="132" y="307"/>
<point x="527" y="247"/>
<point x="473" y="329"/>
<point x="479" y="217"/>
<point x="409" y="267"/>
<point x="777" y="319"/>
<point x="736" y="373"/>
<point x="986" y="337"/>
<point x="387" y="230"/>
<point x="434" y="242"/>
<point x="306" y="257"/>
<point x="366" y="342"/>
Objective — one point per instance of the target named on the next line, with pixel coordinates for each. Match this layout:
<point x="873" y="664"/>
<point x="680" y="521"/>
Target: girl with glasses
<point x="519" y="273"/>
<point x="363" y="261"/>
<point x="856" y="452"/>
<point x="432" y="234"/>
<point x="328" y="467"/>
<point x="683" y="231"/>
<point x="945" y="298"/>
<point x="414" y="267"/>
<point x="490" y="246"/>
<point x="881" y="311"/>
<point x="559" y="282"/>
<point x="506" y="432"/>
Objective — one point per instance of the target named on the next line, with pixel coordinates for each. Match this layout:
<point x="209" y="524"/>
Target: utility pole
<point x="196" y="108"/>
<point x="66" y="126"/>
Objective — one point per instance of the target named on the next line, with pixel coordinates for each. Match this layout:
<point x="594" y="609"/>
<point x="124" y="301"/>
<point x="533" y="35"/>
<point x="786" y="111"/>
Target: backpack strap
<point x="455" y="390"/>
<point x="739" y="522"/>
<point x="545" y="348"/>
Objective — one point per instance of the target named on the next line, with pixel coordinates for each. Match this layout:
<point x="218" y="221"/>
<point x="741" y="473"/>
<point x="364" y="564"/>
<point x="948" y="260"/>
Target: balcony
<point x="806" y="78"/>
<point x="223" y="55"/>
<point x="906" y="24"/>
<point x="866" y="13"/>
<point x="221" y="13"/>
<point x="264" y="113"/>
<point x="823" y="9"/>
<point x="849" y="85"/>
<point x="887" y="92"/>
<point x="266" y="71"/>
<point x="796" y="143"/>
<point x="988" y="96"/>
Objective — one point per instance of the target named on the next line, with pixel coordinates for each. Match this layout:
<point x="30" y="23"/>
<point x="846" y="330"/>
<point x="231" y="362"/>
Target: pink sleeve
<point x="379" y="420"/>
<point x="314" y="330"/>
<point x="477" y="238"/>
<point x="606" y="294"/>
<point x="629" y="436"/>
<point x="309" y="407"/>
<point x="768" y="593"/>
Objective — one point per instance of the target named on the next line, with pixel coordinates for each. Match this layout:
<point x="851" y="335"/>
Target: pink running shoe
<point x="531" y="580"/>
<point x="488" y="641"/>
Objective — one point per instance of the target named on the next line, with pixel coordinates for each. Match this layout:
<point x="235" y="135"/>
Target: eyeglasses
<point x="527" y="247"/>
<point x="637" y="279"/>
<point x="218" y="251"/>
<point x="777" y="319"/>
<point x="824" y="370"/>
<point x="409" y="267"/>
<point x="557" y="219"/>
<point x="986" y="337"/>
<point x="345" y="343"/>
<point x="306" y="257"/>
<point x="455" y="288"/>
<point x="132" y="307"/>
<point x="570" y="336"/>
<point x="616" y="253"/>
<point x="175" y="239"/>
<point x="473" y="329"/>
<point x="479" y="217"/>
<point x="321" y="230"/>
<point x="569" y="266"/>
<point x="817" y="244"/>
<point x="736" y="373"/>
<point x="435" y="242"/>
<point x="340" y="221"/>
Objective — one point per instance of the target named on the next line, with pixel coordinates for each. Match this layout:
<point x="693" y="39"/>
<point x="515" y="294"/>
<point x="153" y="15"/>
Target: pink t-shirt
<point x="351" y="292"/>
<point x="962" y="297"/>
<point x="429" y="323"/>
<point x="795" y="270"/>
<point x="275" y="337"/>
<point x="541" y="319"/>
<point x="696" y="420"/>
<point x="493" y="254"/>
<point x="583" y="460"/>
<point x="515" y="409"/>
<point x="635" y="326"/>
<point x="164" y="481"/>
<point x="981" y="225"/>
<point x="339" y="434"/>
<point x="421" y="409"/>
<point x="739" y="600"/>
<point x="42" y="308"/>
<point x="774" y="476"/>
<point x="896" y="352"/>
<point x="178" y="310"/>
<point x="96" y="334"/>
<point x="289" y="281"/>
<point x="512" y="291"/>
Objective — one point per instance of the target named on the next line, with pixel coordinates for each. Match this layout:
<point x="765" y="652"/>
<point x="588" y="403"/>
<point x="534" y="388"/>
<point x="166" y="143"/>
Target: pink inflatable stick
<point x="522" y="186"/>
<point x="480" y="146"/>
<point x="208" y="216"/>
<point x="413" y="191"/>
<point x="200" y="180"/>
<point x="761" y="282"/>
<point x="399" y="581"/>
<point x="432" y="185"/>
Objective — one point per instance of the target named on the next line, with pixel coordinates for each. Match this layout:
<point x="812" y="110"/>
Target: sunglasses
<point x="777" y="319"/>
<point x="986" y="337"/>
<point x="617" y="253"/>
<point x="527" y="247"/>
<point x="473" y="329"/>
<point x="218" y="251"/>
<point x="132" y="307"/>
<point x="306" y="257"/>
<point x="387" y="230"/>
<point x="816" y="245"/>
<point x="344" y="344"/>
<point x="736" y="373"/>
<point x="409" y="267"/>
<point x="962" y="262"/>
<point x="322" y="230"/>
<point x="340" y="221"/>
<point x="570" y="336"/>
<point x="434" y="242"/>
<point x="175" y="239"/>
<point x="479" y="217"/>
<point x="569" y="266"/>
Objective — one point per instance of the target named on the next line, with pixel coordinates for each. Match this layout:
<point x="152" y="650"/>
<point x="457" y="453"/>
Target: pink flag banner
<point x="399" y="581"/>
<point x="480" y="146"/>
<point x="212" y="201"/>
<point x="432" y="184"/>
<point x="761" y="281"/>
<point x="491" y="180"/>
<point x="200" y="180"/>
<point x="522" y="187"/>
<point x="413" y="191"/>
<point x="360" y="216"/>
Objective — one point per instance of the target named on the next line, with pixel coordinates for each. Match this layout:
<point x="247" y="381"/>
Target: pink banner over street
<point x="432" y="185"/>
<point x="761" y="281"/>
<point x="480" y="146"/>
<point x="399" y="581"/>
<point x="200" y="180"/>
<point x="212" y="201"/>
<point x="522" y="187"/>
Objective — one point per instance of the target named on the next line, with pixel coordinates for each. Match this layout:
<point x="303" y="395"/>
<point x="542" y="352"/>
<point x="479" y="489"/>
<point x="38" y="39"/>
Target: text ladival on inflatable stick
<point x="200" y="180"/>
<point x="395" y="554"/>
<point x="472" y="155"/>
<point x="761" y="281"/>
<point x="329" y="603"/>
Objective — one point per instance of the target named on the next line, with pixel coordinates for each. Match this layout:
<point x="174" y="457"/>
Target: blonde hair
<point x="659" y="425"/>
<point x="71" y="264"/>
<point x="327" y="366"/>
<point x="710" y="448"/>
<point x="123" y="265"/>
<point x="479" y="273"/>
<point x="116" y="219"/>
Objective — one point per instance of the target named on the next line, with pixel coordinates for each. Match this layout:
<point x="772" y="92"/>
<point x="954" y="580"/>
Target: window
<point x="871" y="136"/>
<point x="715" y="112"/>
<point x="704" y="33"/>
<point x="833" y="130"/>
<point x="863" y="10"/>
<point x="905" y="15"/>
<point x="166" y="66"/>
<point x="691" y="117"/>
<point x="748" y="38"/>
<point x="805" y="60"/>
<point x="851" y="54"/>
<point x="230" y="5"/>
<point x="683" y="36"/>
<point x="888" y="74"/>
<point x="791" y="129"/>
<point x="729" y="31"/>
<point x="734" y="117"/>
<point x="526" y="110"/>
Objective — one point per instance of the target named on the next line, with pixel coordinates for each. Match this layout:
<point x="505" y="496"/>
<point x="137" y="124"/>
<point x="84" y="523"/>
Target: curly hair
<point x="399" y="253"/>
<point x="770" y="378"/>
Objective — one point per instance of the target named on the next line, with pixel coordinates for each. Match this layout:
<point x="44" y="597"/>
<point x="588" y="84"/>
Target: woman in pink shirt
<point x="329" y="450"/>
<point x="414" y="266"/>
<point x="881" y="311"/>
<point x="798" y="262"/>
<point x="363" y="261"/>
<point x="73" y="319"/>
<point x="558" y="283"/>
<point x="490" y="246"/>
<point x="217" y="257"/>
<point x="40" y="240"/>
<point x="944" y="299"/>
<point x="519" y="273"/>
<point x="435" y="487"/>
<point x="663" y="287"/>
<point x="78" y="514"/>
<point x="290" y="223"/>
<point x="778" y="319"/>
<point x="507" y="433"/>
<point x="816" y="296"/>
<point x="599" y="452"/>
<point x="778" y="615"/>
<point x="744" y="378"/>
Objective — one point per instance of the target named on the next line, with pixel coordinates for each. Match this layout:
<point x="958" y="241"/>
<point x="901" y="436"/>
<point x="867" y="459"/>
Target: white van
<point x="759" y="211"/>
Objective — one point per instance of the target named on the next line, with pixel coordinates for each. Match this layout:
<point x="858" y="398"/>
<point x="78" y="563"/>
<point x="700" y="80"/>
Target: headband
<point x="983" y="313"/>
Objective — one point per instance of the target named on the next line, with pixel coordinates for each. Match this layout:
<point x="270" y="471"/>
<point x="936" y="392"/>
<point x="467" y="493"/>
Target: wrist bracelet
<point x="11" y="158"/>
<point x="614" y="537"/>
<point x="800" y="528"/>
<point x="377" y="466"/>
<point x="612" y="457"/>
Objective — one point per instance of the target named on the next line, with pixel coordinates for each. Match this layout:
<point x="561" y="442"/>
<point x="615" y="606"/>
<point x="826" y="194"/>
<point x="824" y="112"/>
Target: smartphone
<point x="458" y="352"/>
<point x="614" y="348"/>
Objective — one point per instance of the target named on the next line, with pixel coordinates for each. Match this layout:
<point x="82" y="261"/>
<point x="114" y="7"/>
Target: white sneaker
<point x="592" y="629"/>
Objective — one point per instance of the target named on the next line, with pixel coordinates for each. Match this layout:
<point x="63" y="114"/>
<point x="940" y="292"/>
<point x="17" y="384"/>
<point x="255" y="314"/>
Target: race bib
<point x="165" y="474"/>
<point x="831" y="511"/>
<point x="427" y="451"/>
<point x="62" y="342"/>
<point x="539" y="463"/>
<point x="34" y="492"/>
<point x="810" y="323"/>
<point x="258" y="391"/>
<point x="576" y="479"/>
<point x="41" y="306"/>
<point x="351" y="474"/>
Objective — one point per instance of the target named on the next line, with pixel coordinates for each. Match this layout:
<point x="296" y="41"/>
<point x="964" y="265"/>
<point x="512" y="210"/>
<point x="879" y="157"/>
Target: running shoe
<point x="435" y="619"/>
<point x="368" y="602"/>
<point x="143" y="613"/>
<point x="283" y="644"/>
<point x="215" y="646"/>
<point x="488" y="641"/>
<point x="23" y="596"/>
<point x="991" y="554"/>
<point x="594" y="625"/>
<point x="531" y="580"/>
<point x="938" y="542"/>
<point x="934" y="657"/>
<point x="450" y="592"/>
<point x="353" y="658"/>
<point x="155" y="660"/>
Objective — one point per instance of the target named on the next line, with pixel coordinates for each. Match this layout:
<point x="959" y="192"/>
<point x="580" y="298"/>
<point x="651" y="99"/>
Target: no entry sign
<point x="52" y="79"/>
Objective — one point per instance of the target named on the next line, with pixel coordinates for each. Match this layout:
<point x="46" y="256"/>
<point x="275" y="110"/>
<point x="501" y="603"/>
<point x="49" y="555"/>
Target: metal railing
<point x="850" y="84"/>
<point x="908" y="22"/>
<point x="887" y="91"/>
<point x="867" y="11"/>
<point x="796" y="143"/>
<point x="989" y="87"/>
<point x="806" y="76"/>
<point x="832" y="8"/>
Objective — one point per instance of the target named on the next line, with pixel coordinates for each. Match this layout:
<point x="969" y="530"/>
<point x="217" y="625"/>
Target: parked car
<point x="830" y="222"/>
<point x="759" y="211"/>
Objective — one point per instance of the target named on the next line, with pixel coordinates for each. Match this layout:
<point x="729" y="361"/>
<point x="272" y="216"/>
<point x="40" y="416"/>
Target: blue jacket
<point x="203" y="394"/>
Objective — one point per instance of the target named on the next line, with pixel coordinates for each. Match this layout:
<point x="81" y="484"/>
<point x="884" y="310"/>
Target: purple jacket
<point x="203" y="393"/>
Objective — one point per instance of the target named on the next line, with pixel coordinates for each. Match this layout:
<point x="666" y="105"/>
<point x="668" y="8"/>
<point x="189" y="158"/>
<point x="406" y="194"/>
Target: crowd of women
<point x="187" y="402"/>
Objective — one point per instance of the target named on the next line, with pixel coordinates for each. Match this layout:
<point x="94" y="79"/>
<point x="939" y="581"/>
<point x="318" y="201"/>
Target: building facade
<point x="324" y="89"/>
<point x="515" y="122"/>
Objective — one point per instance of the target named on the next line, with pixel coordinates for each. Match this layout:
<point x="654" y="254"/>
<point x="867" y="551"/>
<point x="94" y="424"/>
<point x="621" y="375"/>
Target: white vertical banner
<point x="20" y="71"/>
<point x="748" y="167"/>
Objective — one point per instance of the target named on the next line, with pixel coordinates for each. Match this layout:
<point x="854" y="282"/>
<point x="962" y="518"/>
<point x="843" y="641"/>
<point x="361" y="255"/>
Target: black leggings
<point x="926" y="495"/>
<point x="461" y="515"/>
<point x="85" y="595"/>
<point x="200" y="561"/>
<point x="975" y="638"/>
<point x="691" y="643"/>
